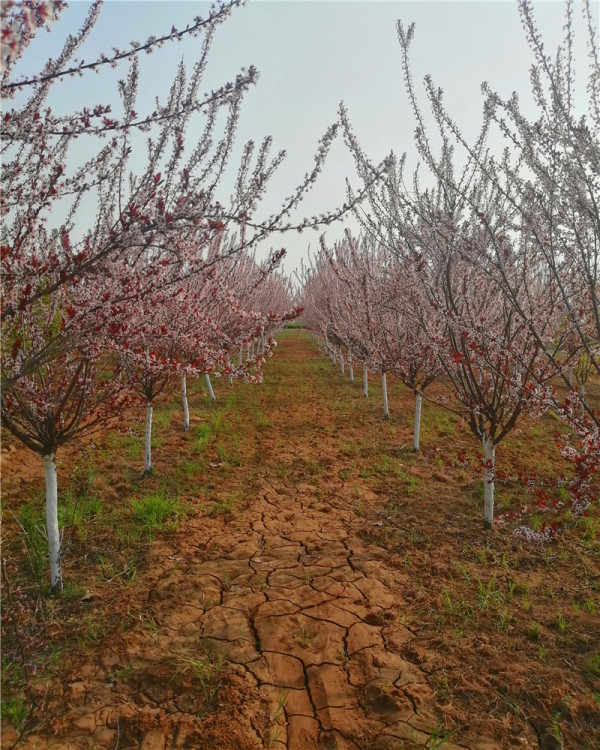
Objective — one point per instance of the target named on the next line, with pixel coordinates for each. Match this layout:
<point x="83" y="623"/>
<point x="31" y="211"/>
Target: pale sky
<point x="311" y="55"/>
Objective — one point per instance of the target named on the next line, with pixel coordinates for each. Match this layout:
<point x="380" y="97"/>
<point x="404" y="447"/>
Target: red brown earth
<point x="325" y="589"/>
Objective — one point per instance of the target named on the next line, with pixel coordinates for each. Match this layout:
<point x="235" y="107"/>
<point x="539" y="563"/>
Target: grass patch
<point x="157" y="512"/>
<point x="261" y="420"/>
<point x="32" y="520"/>
<point x="228" y="456"/>
<point x="223" y="507"/>
<point x="202" y="436"/>
<point x="15" y="710"/>
<point x="131" y="445"/>
<point x="77" y="513"/>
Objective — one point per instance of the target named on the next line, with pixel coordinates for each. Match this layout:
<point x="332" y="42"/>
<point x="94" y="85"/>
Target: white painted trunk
<point x="211" y="393"/>
<point x="417" y="429"/>
<point x="241" y="355"/>
<point x="365" y="382"/>
<point x="248" y="352"/>
<point x="186" y="411"/>
<point x="230" y="379"/>
<point x="52" y="522"/>
<point x="342" y="368"/>
<point x="350" y="367"/>
<point x="489" y="451"/>
<point x="252" y="348"/>
<point x="148" y="466"/>
<point x="386" y="410"/>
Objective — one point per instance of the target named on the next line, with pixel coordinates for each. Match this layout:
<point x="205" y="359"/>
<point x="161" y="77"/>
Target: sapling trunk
<point x="341" y="362"/>
<point x="241" y="355"/>
<point x="252" y="348"/>
<point x="350" y="367"/>
<point x="148" y="452"/>
<point x="417" y="429"/>
<point x="52" y="531"/>
<point x="489" y="452"/>
<point x="211" y="393"/>
<point x="365" y="381"/>
<point x="386" y="410"/>
<point x="230" y="379"/>
<point x="186" y="411"/>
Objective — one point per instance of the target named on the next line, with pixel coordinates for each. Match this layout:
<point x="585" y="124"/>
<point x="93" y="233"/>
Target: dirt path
<point x="300" y="605"/>
<point x="276" y="625"/>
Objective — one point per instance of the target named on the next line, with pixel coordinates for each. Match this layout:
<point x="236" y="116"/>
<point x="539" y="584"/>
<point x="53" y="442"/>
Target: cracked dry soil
<point x="276" y="626"/>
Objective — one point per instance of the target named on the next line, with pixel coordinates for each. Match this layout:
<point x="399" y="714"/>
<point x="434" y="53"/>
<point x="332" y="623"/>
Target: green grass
<point x="304" y="636"/>
<point x="15" y="710"/>
<point x="489" y="595"/>
<point x="72" y="590"/>
<point x="157" y="512"/>
<point x="131" y="445"/>
<point x="163" y="413"/>
<point x="14" y="707"/>
<point x="593" y="664"/>
<point x="261" y="420"/>
<point x="202" y="436"/>
<point x="194" y="468"/>
<point x="223" y="507"/>
<point x="32" y="519"/>
<point x="204" y="670"/>
<point x="77" y="512"/>
<point x="228" y="455"/>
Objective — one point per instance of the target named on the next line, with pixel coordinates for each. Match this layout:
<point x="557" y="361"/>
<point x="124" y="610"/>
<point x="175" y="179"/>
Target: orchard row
<point x="481" y="269"/>
<point x="119" y="280"/>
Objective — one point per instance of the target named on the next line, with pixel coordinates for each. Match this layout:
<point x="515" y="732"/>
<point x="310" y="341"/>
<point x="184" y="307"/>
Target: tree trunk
<point x="341" y="362"/>
<point x="186" y="411"/>
<point x="211" y="393"/>
<point x="241" y="355"/>
<point x="252" y="348"/>
<point x="417" y="429"/>
<point x="230" y="379"/>
<point x="582" y="397"/>
<point x="56" y="583"/>
<point x="365" y="381"/>
<point x="489" y="451"/>
<point x="148" y="466"/>
<point x="386" y="410"/>
<point x="350" y="367"/>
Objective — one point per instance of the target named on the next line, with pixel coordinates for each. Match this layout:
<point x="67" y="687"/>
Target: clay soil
<point x="311" y="584"/>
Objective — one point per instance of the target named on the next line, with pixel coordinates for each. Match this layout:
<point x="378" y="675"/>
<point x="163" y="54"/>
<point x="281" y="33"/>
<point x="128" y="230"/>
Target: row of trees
<point x="487" y="276"/>
<point x="121" y="272"/>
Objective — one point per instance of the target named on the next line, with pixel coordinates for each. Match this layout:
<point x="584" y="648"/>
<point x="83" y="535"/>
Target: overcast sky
<point x="311" y="55"/>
